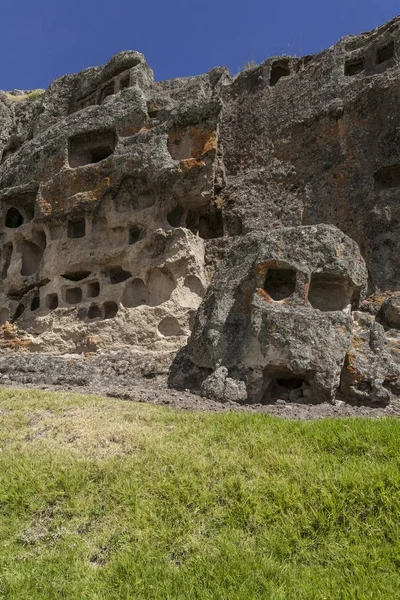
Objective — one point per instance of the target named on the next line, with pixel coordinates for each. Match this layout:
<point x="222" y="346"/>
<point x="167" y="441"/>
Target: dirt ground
<point x="156" y="391"/>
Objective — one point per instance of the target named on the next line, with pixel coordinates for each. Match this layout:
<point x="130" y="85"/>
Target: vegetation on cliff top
<point x="109" y="499"/>
<point x="33" y="95"/>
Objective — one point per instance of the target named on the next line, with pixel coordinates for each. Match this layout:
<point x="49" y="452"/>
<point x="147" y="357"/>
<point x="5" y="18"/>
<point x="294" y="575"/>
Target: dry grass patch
<point x="101" y="428"/>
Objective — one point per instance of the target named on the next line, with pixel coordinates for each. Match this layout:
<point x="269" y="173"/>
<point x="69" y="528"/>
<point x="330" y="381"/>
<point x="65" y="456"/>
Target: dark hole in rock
<point x="35" y="304"/>
<point x="135" y="234"/>
<point x="387" y="177"/>
<point x="4" y="316"/>
<point x="279" y="69"/>
<point x="192" y="221"/>
<point x="76" y="275"/>
<point x="99" y="154"/>
<point x="19" y="292"/>
<point x="290" y="383"/>
<point x="32" y="255"/>
<point x="94" y="312"/>
<point x="18" y="312"/>
<point x="135" y="294"/>
<point x="88" y="100"/>
<point x="353" y="67"/>
<point x="7" y="252"/>
<point x="174" y="217"/>
<point x="281" y="383"/>
<point x="52" y="301"/>
<point x="329" y="292"/>
<point x="207" y="226"/>
<point x="280" y="283"/>
<point x="110" y="310"/>
<point x="152" y="109"/>
<point x="108" y="90"/>
<point x="289" y="389"/>
<point x="118" y="275"/>
<point x="93" y="289"/>
<point x="14" y="218"/>
<point x="76" y="228"/>
<point x="25" y="212"/>
<point x="73" y="295"/>
<point x="90" y="148"/>
<point x="124" y="82"/>
<point x="385" y="53"/>
<point x="211" y="226"/>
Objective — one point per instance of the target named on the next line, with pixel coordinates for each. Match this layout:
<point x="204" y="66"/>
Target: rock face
<point x="274" y="193"/>
<point x="277" y="313"/>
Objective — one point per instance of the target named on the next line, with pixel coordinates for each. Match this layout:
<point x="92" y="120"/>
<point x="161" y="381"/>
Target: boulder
<point x="389" y="313"/>
<point x="278" y="314"/>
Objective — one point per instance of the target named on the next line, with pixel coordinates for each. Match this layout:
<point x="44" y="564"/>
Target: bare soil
<point x="156" y="391"/>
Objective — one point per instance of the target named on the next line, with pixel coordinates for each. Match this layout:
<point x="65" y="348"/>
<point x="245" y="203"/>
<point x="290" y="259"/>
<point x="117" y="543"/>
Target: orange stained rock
<point x="9" y="337"/>
<point x="197" y="140"/>
<point x="191" y="163"/>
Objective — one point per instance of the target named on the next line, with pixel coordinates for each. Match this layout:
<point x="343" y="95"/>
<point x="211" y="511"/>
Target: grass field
<point x="102" y="499"/>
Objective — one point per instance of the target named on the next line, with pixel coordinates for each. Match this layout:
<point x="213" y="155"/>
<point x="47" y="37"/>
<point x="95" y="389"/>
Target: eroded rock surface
<point x="273" y="194"/>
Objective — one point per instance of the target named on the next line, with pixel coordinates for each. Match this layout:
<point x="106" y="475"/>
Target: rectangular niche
<point x="354" y="67"/>
<point x="280" y="283"/>
<point x="93" y="289"/>
<point x="329" y="292"/>
<point x="52" y="301"/>
<point x="279" y="69"/>
<point x="387" y="178"/>
<point x="76" y="228"/>
<point x="107" y="90"/>
<point x="73" y="295"/>
<point x="384" y="54"/>
<point x="90" y="148"/>
<point x="124" y="80"/>
<point x="89" y="100"/>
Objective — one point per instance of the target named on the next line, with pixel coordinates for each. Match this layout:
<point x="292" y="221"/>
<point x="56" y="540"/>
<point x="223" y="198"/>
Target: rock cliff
<point x="240" y="233"/>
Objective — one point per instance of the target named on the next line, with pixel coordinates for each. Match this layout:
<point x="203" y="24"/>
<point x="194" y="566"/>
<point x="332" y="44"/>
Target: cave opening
<point x="279" y="69"/>
<point x="280" y="283"/>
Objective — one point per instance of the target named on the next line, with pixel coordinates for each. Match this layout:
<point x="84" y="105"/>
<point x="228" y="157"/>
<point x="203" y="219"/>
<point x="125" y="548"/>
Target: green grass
<point x="103" y="499"/>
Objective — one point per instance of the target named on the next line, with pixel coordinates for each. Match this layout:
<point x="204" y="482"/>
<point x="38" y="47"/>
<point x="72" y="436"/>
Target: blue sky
<point x="43" y="39"/>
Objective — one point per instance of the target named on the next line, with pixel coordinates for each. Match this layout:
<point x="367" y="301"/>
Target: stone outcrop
<point x="278" y="312"/>
<point x="254" y="218"/>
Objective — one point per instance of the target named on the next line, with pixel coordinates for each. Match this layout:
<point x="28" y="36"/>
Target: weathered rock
<point x="218" y="386"/>
<point x="389" y="313"/>
<point x="120" y="195"/>
<point x="277" y="313"/>
<point x="369" y="375"/>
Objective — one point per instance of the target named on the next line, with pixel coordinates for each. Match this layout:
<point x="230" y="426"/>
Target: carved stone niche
<point x="90" y="148"/>
<point x="113" y="86"/>
<point x="18" y="210"/>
